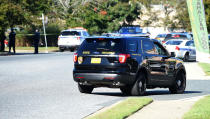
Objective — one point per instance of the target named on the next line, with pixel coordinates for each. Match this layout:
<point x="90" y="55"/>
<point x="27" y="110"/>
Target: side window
<point x="189" y="43"/>
<point x="148" y="47"/>
<point x="85" y="33"/>
<point x="160" y="50"/>
<point x="132" y="46"/>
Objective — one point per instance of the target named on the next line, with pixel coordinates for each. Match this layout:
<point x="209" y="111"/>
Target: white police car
<point x="72" y="38"/>
<point x="184" y="49"/>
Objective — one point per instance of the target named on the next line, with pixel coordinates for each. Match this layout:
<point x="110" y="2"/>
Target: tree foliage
<point x="103" y="16"/>
<point x="19" y="12"/>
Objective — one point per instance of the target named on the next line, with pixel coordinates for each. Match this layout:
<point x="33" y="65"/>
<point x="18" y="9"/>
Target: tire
<point x="186" y="57"/>
<point x="179" y="84"/>
<point x="72" y="50"/>
<point x="85" y="89"/>
<point x="126" y="90"/>
<point x="61" y="50"/>
<point x="139" y="88"/>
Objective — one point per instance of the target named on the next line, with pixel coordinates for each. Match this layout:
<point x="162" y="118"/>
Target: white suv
<point x="71" y="38"/>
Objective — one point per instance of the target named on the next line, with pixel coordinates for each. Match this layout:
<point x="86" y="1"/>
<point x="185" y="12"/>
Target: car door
<point x="191" y="48"/>
<point x="163" y="73"/>
<point x="155" y="58"/>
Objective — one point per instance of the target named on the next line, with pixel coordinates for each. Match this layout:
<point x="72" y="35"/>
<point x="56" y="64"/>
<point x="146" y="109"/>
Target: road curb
<point x="104" y="109"/>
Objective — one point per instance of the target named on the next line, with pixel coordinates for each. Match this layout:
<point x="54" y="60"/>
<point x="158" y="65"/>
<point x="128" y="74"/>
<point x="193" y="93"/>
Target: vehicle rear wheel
<point x="186" y="57"/>
<point x="126" y="90"/>
<point x="61" y="50"/>
<point x="179" y="84"/>
<point x="85" y="89"/>
<point x="72" y="50"/>
<point x="139" y="88"/>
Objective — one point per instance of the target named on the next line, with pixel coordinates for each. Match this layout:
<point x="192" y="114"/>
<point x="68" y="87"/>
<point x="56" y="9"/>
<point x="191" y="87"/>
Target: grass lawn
<point x="123" y="109"/>
<point x="32" y="48"/>
<point x="205" y="67"/>
<point x="201" y="110"/>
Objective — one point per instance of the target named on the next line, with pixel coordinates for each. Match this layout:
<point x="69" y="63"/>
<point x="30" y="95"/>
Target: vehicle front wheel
<point x="85" y="89"/>
<point x="179" y="84"/>
<point x="139" y="88"/>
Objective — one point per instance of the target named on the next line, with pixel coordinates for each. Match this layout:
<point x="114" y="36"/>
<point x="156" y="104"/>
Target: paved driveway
<point x="41" y="87"/>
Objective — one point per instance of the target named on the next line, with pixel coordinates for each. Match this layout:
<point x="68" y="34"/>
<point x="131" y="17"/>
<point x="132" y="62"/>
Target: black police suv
<point x="129" y="63"/>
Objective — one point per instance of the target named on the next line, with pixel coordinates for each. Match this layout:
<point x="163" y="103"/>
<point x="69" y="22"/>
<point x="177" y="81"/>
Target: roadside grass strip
<point x="206" y="68"/>
<point x="123" y="109"/>
<point x="200" y="110"/>
<point x="32" y="48"/>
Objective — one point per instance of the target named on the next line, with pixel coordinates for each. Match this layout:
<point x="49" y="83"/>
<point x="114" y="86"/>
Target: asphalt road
<point x="41" y="87"/>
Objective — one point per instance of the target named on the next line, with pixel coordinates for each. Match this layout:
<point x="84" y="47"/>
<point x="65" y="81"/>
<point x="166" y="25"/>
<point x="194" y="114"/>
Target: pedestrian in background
<point x="36" y="41"/>
<point x="12" y="40"/>
<point x="2" y="38"/>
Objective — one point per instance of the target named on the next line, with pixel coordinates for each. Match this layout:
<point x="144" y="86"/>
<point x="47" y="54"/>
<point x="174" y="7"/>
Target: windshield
<point x="101" y="44"/>
<point x="171" y="42"/>
<point x="70" y="33"/>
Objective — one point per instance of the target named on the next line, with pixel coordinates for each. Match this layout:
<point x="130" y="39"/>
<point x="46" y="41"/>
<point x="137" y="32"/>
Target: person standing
<point x="12" y="40"/>
<point x="2" y="39"/>
<point x="36" y="41"/>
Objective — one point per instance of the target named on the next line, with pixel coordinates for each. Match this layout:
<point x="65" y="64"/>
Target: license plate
<point x="95" y="60"/>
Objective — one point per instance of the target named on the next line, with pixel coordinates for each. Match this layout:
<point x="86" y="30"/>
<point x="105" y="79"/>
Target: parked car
<point x="209" y="41"/>
<point x="177" y="36"/>
<point x="71" y="38"/>
<point x="184" y="49"/>
<point x="129" y="63"/>
<point x="160" y="37"/>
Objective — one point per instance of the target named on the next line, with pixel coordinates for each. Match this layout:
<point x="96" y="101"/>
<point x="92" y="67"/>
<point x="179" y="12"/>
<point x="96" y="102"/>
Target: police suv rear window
<point x="102" y="44"/>
<point x="175" y="36"/>
<point x="70" y="33"/>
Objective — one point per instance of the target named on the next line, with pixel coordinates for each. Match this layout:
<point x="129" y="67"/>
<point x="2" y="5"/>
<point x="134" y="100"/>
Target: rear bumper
<point x="68" y="46"/>
<point x="104" y="79"/>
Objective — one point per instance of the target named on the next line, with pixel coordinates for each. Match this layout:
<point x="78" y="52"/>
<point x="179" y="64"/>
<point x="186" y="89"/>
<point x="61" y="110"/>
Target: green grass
<point x="206" y="68"/>
<point x="123" y="109"/>
<point x="201" y="110"/>
<point x="32" y="48"/>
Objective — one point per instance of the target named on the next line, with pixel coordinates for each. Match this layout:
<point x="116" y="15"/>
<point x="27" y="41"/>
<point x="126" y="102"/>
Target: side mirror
<point x="172" y="54"/>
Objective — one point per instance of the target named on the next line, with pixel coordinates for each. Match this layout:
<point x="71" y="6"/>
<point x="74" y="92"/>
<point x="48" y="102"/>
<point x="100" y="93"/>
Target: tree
<point x="20" y="12"/>
<point x="103" y="15"/>
<point x="207" y="12"/>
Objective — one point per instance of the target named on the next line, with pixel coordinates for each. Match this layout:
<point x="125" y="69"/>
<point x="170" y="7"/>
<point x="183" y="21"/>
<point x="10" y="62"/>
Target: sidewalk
<point x="195" y="72"/>
<point x="171" y="109"/>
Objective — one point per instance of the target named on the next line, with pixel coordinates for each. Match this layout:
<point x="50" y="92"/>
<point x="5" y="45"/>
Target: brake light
<point x="163" y="42"/>
<point x="78" y="38"/>
<point x="100" y="38"/>
<point x="80" y="77"/>
<point x="177" y="48"/>
<point x="123" y="57"/>
<point x="176" y="36"/>
<point x="75" y="57"/>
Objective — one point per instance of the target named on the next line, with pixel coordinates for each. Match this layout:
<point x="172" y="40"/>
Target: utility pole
<point x="45" y="38"/>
